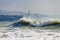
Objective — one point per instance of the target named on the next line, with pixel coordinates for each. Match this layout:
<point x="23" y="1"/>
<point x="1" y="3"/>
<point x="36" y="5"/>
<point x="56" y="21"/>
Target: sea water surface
<point x="28" y="28"/>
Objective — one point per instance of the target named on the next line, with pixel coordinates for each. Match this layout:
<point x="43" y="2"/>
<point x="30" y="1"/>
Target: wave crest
<point x="25" y="21"/>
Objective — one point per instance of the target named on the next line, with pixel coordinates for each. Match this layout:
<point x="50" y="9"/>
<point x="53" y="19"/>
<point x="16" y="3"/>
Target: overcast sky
<point x="47" y="7"/>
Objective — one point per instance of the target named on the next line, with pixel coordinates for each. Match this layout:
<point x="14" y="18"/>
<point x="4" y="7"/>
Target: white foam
<point x="39" y="22"/>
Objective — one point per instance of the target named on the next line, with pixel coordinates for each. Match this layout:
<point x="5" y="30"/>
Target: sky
<point x="47" y="7"/>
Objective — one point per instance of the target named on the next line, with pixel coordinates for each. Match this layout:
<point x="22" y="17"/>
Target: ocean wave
<point x="26" y="21"/>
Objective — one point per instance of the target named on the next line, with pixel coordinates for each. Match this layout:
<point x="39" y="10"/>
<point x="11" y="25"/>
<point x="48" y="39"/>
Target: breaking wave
<point x="26" y="21"/>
